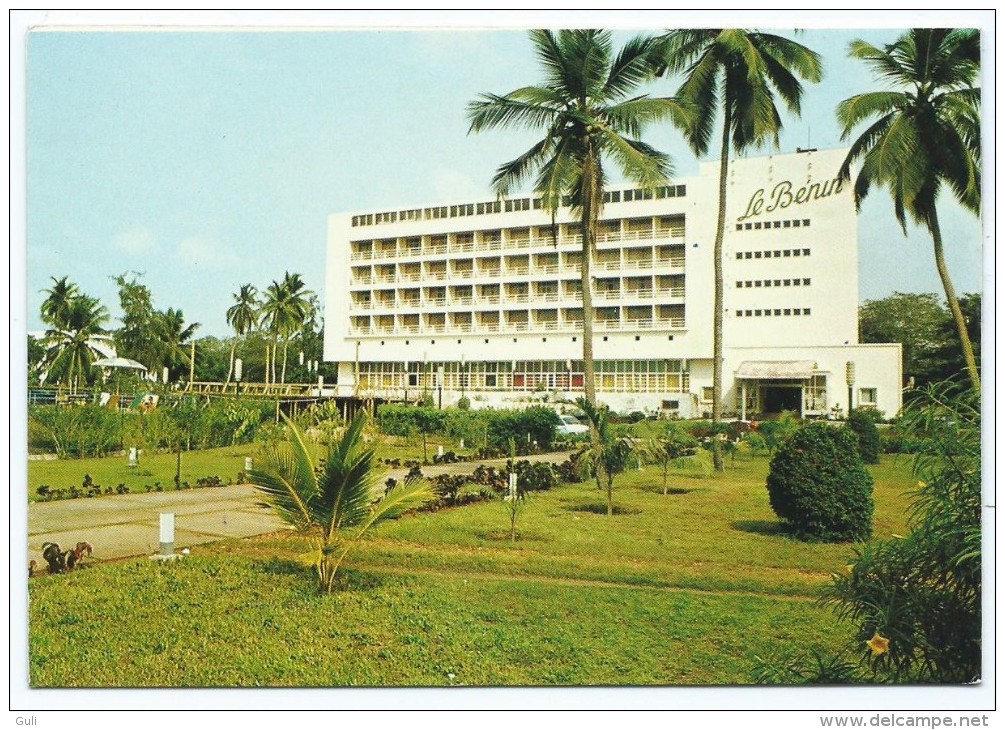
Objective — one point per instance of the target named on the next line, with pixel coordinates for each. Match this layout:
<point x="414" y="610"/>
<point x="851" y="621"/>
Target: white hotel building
<point x="483" y="299"/>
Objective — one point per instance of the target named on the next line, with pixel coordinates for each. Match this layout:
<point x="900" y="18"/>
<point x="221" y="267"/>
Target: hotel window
<point x="867" y="396"/>
<point x="707" y="394"/>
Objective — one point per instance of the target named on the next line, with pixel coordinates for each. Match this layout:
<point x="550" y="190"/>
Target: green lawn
<point x="684" y="589"/>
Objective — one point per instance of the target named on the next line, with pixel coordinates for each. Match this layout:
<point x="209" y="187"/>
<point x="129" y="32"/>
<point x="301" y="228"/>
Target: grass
<point x="684" y="589"/>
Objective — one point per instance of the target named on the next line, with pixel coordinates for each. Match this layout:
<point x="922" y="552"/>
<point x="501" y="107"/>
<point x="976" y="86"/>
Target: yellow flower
<point x="878" y="644"/>
<point x="921" y="485"/>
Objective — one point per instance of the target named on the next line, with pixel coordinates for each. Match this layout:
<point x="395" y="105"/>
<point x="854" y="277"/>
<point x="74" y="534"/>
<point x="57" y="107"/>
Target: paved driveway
<point x="126" y="525"/>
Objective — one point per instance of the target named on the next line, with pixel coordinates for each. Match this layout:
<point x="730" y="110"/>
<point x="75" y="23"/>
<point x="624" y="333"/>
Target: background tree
<point x="283" y="312"/>
<point x="739" y="72"/>
<point x="590" y="110"/>
<point x="57" y="302"/>
<point x="36" y="359"/>
<point x="72" y="341"/>
<point x="945" y="358"/>
<point x="211" y="361"/>
<point x="310" y="341"/>
<point x="913" y="320"/>
<point x="173" y="336"/>
<point x="243" y="317"/>
<point x="136" y="339"/>
<point x="922" y="136"/>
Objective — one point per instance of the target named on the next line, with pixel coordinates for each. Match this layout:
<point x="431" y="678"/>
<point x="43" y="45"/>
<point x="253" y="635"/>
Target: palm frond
<point x="856" y="109"/>
<point x="631" y="116"/>
<point x="549" y="53"/>
<point x="676" y="51"/>
<point x="401" y="498"/>
<point x="491" y="111"/>
<point x="701" y="92"/>
<point x="794" y="57"/>
<point x="515" y="172"/>
<point x="287" y="481"/>
<point x="641" y="162"/>
<point x="631" y="67"/>
<point x="884" y="64"/>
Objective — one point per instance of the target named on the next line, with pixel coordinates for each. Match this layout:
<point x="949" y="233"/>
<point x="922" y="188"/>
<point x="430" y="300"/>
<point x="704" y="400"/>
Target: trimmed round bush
<point x="864" y="426"/>
<point x="819" y="486"/>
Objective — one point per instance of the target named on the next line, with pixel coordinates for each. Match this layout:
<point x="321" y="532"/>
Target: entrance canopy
<point x="776" y="370"/>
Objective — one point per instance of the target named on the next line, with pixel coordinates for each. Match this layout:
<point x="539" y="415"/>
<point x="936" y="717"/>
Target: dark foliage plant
<point x="818" y="485"/>
<point x="863" y="425"/>
<point x="922" y="592"/>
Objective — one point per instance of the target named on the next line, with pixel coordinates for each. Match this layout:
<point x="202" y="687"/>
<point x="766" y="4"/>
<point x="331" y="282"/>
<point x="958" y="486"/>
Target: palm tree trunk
<point x="230" y="369"/>
<point x="275" y="356"/>
<point x="286" y="344"/>
<point x="954" y="303"/>
<point x="717" y="306"/>
<point x="589" y="222"/>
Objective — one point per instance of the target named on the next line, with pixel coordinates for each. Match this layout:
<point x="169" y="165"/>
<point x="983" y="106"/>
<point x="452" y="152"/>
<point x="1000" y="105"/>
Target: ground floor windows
<point x="628" y="376"/>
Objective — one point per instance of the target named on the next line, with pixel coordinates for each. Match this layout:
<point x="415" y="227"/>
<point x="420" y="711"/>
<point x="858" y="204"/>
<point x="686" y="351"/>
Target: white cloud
<point x="205" y="253"/>
<point x="135" y="240"/>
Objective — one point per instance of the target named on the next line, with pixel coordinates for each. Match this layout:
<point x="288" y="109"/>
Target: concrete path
<point x="127" y="525"/>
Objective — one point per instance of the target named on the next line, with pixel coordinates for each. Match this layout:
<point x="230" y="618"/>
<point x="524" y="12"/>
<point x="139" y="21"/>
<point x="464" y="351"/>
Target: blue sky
<point x="207" y="160"/>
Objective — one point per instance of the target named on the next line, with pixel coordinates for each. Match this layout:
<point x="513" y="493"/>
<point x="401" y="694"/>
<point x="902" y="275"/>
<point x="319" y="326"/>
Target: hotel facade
<point x="483" y="299"/>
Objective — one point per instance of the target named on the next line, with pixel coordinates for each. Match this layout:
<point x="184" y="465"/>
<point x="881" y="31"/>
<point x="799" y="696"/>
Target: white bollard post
<point x="167" y="533"/>
<point x="132" y="457"/>
<point x="248" y="463"/>
<point x="439" y="451"/>
<point x="462" y="443"/>
<point x="512" y="486"/>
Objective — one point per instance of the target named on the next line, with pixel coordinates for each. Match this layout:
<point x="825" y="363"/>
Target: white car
<point x="569" y="426"/>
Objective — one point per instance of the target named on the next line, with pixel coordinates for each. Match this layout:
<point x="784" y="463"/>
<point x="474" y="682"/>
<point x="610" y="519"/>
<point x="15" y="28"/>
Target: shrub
<point x="534" y="477"/>
<point x="464" y="403"/>
<point x="819" y="486"/>
<point x="87" y="430"/>
<point x="864" y="427"/>
<point x="523" y="427"/>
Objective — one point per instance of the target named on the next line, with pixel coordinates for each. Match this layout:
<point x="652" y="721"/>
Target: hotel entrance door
<point x="778" y="398"/>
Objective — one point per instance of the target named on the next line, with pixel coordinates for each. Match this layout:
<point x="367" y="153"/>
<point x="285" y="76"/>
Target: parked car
<point x="570" y="426"/>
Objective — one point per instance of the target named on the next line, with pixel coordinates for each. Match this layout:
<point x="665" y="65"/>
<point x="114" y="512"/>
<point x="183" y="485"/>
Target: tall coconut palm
<point x="337" y="498"/>
<point x="72" y="343"/>
<point x="57" y="303"/>
<point x="283" y="312"/>
<point x="589" y="110"/>
<point x="242" y="316"/>
<point x="740" y="72"/>
<point x="174" y="337"/>
<point x="923" y="134"/>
